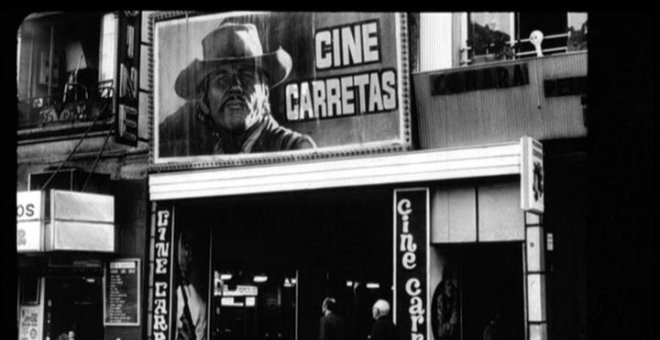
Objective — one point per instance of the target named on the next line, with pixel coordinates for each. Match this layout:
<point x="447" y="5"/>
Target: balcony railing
<point x="75" y="104"/>
<point x="523" y="48"/>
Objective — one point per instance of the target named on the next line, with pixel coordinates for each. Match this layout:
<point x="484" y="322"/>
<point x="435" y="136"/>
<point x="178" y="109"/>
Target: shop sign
<point x="337" y="84"/>
<point x="128" y="74"/>
<point x="411" y="232"/>
<point x="240" y="290"/>
<point x="80" y="221"/>
<point x="531" y="176"/>
<point x="161" y="272"/>
<point x="30" y="323"/>
<point x="497" y="77"/>
<point x="29" y="224"/>
<point x="121" y="298"/>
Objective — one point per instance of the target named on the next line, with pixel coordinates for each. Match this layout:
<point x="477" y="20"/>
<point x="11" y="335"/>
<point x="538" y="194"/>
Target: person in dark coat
<point x="228" y="109"/>
<point x="383" y="328"/>
<point x="331" y="325"/>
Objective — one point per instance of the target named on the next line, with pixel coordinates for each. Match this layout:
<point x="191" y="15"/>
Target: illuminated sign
<point x="128" y="73"/>
<point x="29" y="221"/>
<point x="532" y="186"/>
<point x="411" y="232"/>
<point x="240" y="291"/>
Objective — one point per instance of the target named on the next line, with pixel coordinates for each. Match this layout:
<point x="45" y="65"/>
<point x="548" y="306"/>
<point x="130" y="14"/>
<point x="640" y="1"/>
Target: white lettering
<point x="347" y="46"/>
<point x="370" y="41"/>
<point x="389" y="87"/>
<point x="347" y="95"/>
<point x="361" y="82"/>
<point x="408" y="261"/>
<point x="319" y="98"/>
<point x="351" y="45"/>
<point x="160" y="306"/>
<point x="334" y="97"/>
<point x="336" y="55"/>
<point x="163" y="218"/>
<point x="306" y="110"/>
<point x="161" y="266"/>
<point x="416" y="306"/>
<point x="292" y="108"/>
<point x="416" y="320"/>
<point x="407" y="243"/>
<point x="413" y="287"/>
<point x="160" y="289"/>
<point x="161" y="233"/>
<point x="375" y="96"/>
<point x="404" y="207"/>
<point x="160" y="323"/>
<point x="162" y="249"/>
<point x="322" y="42"/>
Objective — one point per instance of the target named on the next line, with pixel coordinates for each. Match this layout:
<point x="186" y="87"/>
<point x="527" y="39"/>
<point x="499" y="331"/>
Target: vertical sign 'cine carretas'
<point x="411" y="233"/>
<point x="161" y="271"/>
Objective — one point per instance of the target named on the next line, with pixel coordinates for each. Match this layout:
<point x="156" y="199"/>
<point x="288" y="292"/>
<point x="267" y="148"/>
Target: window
<point x="490" y="33"/>
<point x="65" y="68"/>
<point x="505" y="35"/>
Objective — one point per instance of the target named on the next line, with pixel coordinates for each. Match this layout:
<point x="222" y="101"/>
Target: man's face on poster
<point x="237" y="96"/>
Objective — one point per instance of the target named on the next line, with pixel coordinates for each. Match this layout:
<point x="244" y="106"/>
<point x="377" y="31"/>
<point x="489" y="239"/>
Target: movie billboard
<point x="242" y="87"/>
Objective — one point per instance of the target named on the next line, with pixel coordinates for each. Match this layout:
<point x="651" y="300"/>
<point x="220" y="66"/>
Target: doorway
<point x="74" y="302"/>
<point x="274" y="258"/>
<point x="489" y="281"/>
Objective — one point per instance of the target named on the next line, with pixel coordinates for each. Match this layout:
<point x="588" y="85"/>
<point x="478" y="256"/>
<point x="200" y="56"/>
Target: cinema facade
<point x="444" y="189"/>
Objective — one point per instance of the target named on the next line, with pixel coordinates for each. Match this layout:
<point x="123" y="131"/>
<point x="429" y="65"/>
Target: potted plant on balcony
<point x="488" y="44"/>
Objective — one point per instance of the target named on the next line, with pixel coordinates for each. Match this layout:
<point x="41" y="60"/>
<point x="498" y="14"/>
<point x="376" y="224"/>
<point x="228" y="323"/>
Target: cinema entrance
<point x="271" y="260"/>
<point x="245" y="263"/>
<point x="261" y="265"/>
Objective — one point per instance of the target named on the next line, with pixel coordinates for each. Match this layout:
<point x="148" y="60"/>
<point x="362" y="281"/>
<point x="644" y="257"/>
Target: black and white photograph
<point x="328" y="175"/>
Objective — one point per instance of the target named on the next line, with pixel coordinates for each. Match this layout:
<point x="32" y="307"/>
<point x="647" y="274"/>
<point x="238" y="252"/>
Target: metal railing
<point x="74" y="104"/>
<point x="467" y="57"/>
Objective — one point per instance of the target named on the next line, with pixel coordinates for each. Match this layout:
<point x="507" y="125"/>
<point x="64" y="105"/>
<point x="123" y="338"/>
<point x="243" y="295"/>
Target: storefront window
<point x="554" y="27"/>
<point x="29" y="290"/>
<point x="75" y="304"/>
<point x="577" y="31"/>
<point x="251" y="302"/>
<point x="59" y="62"/>
<point x="506" y="35"/>
<point x="490" y="34"/>
<point x="270" y="272"/>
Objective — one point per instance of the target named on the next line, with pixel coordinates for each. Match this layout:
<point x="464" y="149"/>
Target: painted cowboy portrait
<point x="227" y="109"/>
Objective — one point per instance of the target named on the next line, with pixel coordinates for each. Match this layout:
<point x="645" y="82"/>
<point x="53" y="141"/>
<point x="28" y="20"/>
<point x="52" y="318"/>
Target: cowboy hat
<point x="232" y="43"/>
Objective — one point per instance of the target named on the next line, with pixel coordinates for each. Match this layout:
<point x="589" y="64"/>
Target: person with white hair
<point x="383" y="328"/>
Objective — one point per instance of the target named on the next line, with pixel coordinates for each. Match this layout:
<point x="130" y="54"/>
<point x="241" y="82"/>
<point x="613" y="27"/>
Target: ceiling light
<point x="260" y="278"/>
<point x="373" y="285"/>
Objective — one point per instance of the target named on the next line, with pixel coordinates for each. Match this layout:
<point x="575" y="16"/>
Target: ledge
<point x="409" y="167"/>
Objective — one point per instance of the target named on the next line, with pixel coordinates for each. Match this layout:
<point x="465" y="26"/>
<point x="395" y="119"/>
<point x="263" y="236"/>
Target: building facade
<point x="445" y="174"/>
